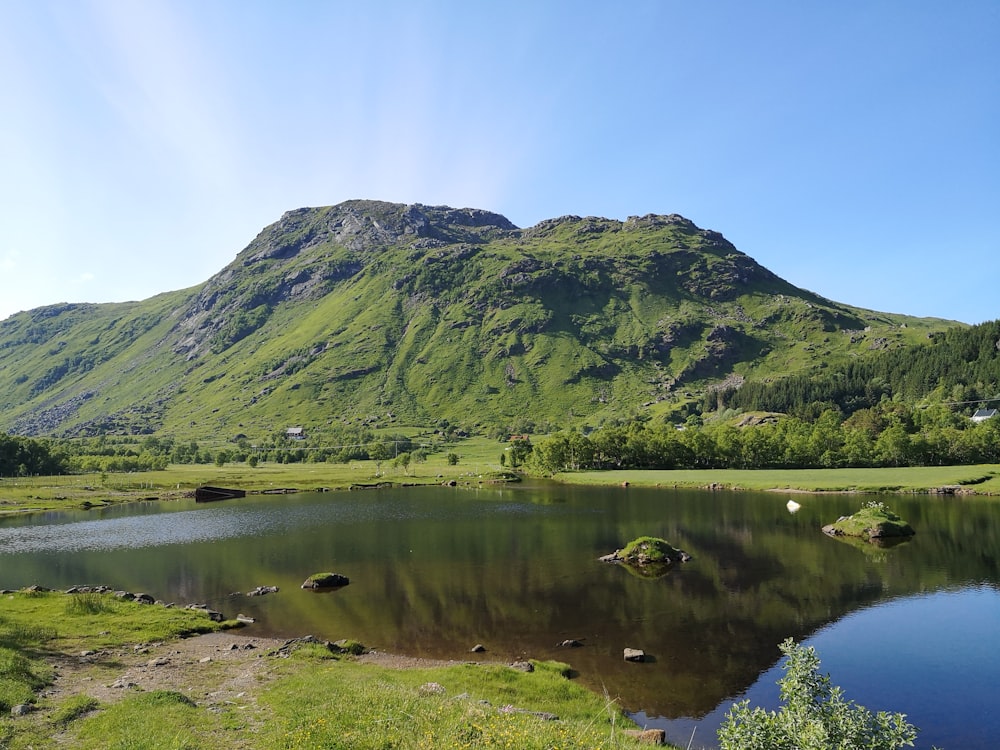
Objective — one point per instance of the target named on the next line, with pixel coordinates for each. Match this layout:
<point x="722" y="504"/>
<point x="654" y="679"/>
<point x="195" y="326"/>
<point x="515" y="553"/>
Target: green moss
<point x="649" y="549"/>
<point x="325" y="580"/>
<point x="873" y="521"/>
<point x="648" y="557"/>
<point x="350" y="646"/>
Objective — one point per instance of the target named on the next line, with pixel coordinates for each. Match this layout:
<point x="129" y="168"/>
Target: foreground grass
<point x="981" y="479"/>
<point x="42" y="623"/>
<point x="39" y="631"/>
<point x="454" y="707"/>
<point x="311" y="700"/>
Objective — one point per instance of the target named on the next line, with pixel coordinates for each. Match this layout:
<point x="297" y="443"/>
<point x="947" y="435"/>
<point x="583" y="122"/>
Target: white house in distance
<point x="982" y="415"/>
<point x="295" y="433"/>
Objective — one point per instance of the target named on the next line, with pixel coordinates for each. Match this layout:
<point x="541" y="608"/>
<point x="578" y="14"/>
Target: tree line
<point x="892" y="433"/>
<point x="22" y="457"/>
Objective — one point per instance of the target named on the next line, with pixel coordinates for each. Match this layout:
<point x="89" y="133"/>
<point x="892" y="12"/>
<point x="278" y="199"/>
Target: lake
<point x="436" y="570"/>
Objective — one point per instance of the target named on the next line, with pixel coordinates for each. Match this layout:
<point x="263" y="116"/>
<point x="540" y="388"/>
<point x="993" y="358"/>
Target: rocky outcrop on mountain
<point x="367" y="312"/>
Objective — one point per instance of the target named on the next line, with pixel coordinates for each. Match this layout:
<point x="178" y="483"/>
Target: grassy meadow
<point x="306" y="697"/>
<point x="978" y="479"/>
<point x="478" y="461"/>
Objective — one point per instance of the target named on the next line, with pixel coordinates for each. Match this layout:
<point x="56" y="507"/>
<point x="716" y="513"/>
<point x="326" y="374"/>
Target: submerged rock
<point x="263" y="591"/>
<point x="325" y="581"/>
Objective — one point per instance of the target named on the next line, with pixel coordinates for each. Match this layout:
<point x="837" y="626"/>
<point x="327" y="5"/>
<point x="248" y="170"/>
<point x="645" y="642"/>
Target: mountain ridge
<point x="379" y="313"/>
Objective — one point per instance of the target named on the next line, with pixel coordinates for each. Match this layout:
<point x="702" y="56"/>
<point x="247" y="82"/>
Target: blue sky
<point x="852" y="148"/>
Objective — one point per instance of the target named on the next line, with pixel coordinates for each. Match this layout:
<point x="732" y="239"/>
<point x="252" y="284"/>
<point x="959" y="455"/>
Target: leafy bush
<point x="815" y="715"/>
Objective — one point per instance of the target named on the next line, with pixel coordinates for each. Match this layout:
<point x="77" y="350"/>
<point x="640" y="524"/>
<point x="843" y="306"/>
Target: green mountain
<point x="377" y="313"/>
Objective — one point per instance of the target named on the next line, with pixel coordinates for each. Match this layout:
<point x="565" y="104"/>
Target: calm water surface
<point x="436" y="570"/>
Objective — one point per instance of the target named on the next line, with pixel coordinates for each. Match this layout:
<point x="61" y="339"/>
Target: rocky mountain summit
<point x="372" y="312"/>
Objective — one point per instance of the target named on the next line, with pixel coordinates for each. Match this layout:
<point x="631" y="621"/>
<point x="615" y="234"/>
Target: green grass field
<point x="479" y="461"/>
<point x="981" y="479"/>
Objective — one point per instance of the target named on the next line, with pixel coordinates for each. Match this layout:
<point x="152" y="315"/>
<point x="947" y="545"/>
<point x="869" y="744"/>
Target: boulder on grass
<point x="647" y="736"/>
<point x="348" y="646"/>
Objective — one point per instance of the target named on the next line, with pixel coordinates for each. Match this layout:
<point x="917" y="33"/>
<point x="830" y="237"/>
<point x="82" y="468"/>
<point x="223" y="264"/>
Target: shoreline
<point x="977" y="480"/>
<point x="134" y="670"/>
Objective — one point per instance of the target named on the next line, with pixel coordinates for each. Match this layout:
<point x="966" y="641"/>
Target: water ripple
<point x="222" y="522"/>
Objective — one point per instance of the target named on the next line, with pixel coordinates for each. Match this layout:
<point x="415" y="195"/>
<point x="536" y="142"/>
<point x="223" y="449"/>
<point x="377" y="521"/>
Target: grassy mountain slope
<point x="379" y="313"/>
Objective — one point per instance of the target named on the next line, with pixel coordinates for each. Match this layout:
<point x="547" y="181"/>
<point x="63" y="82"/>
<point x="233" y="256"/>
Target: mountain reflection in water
<point x="435" y="570"/>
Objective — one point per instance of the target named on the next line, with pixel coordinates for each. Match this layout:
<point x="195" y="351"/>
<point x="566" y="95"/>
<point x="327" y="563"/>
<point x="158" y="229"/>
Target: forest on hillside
<point x="903" y="407"/>
<point x="959" y="366"/>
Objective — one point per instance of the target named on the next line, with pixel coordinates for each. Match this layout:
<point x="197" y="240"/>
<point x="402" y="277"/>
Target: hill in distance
<point x="385" y="314"/>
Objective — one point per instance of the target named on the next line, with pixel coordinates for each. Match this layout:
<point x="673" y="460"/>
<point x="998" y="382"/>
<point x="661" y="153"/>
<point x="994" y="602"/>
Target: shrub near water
<point x="814" y="715"/>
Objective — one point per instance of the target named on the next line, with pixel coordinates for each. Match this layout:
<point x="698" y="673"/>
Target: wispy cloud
<point x="154" y="71"/>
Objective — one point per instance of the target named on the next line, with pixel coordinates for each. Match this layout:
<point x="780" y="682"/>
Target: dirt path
<point x="212" y="669"/>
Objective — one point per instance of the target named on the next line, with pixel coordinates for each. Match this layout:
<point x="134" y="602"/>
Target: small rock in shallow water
<point x="635" y="654"/>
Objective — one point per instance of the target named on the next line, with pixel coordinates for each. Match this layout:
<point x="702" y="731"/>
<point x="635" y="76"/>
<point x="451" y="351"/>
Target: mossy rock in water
<point x="874" y="522"/>
<point x="325" y="581"/>
<point x="349" y="646"/>
<point x="648" y="556"/>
